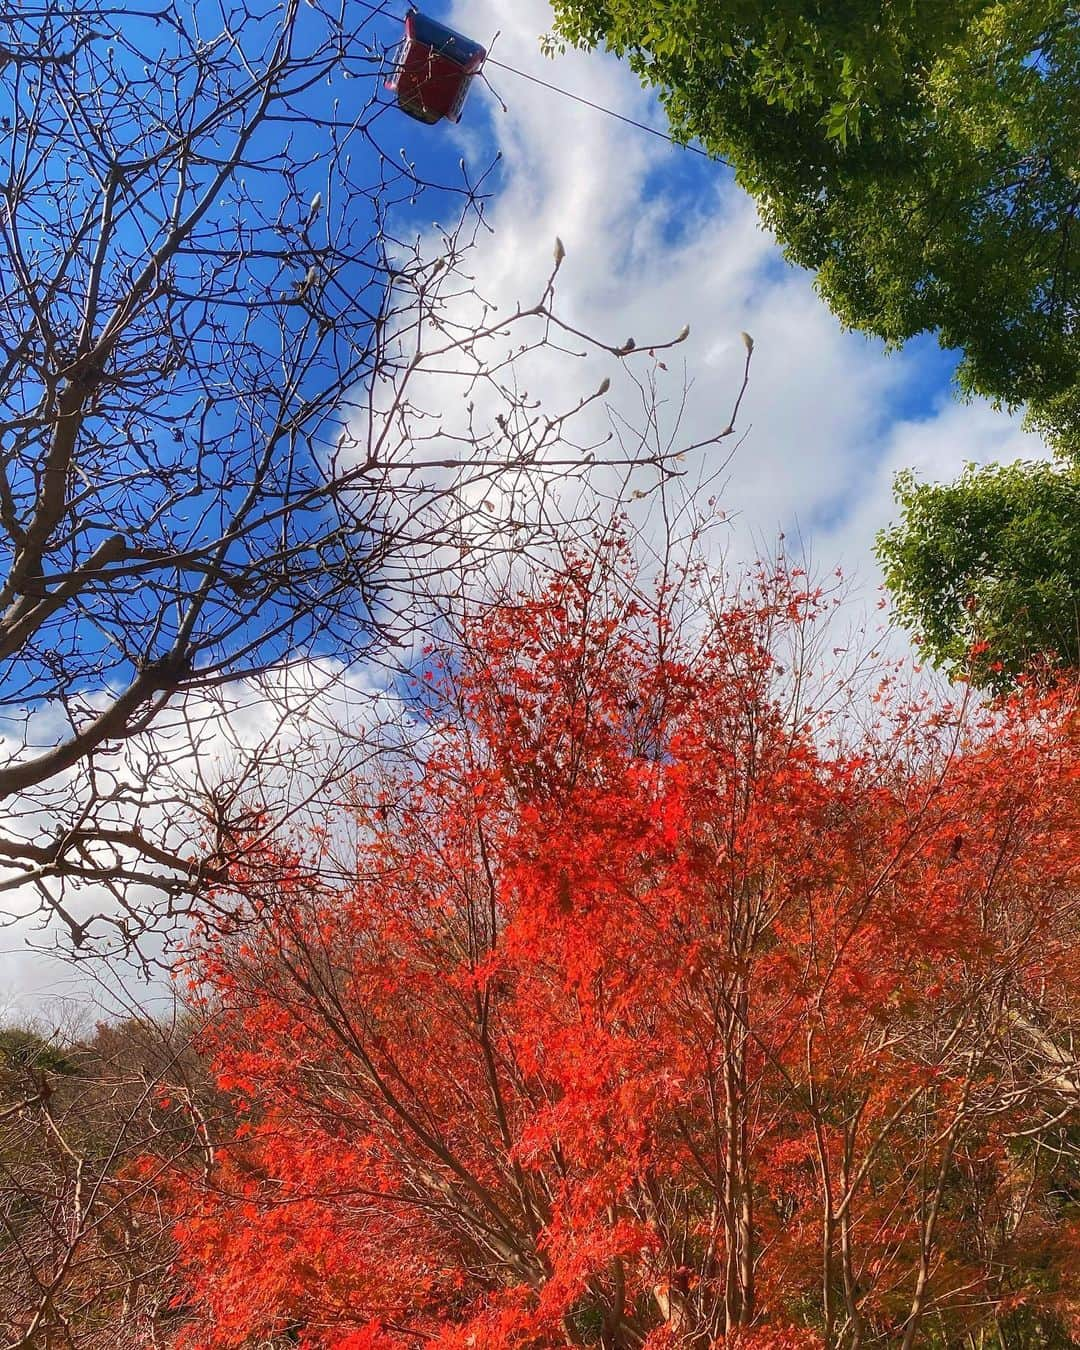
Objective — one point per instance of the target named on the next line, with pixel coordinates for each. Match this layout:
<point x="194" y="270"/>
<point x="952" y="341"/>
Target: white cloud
<point x="937" y="446"/>
<point x="654" y="240"/>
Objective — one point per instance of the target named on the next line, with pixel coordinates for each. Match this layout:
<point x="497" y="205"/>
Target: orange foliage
<point x="663" y="1009"/>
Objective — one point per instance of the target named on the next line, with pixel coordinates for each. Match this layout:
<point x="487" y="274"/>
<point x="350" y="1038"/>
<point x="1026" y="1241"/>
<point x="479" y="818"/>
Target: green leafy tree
<point x="922" y="157"/>
<point x="987" y="569"/>
<point x="24" y="1050"/>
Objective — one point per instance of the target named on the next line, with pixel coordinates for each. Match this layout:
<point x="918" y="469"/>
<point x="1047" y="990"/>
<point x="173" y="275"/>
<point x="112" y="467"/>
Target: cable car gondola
<point x="433" y="70"/>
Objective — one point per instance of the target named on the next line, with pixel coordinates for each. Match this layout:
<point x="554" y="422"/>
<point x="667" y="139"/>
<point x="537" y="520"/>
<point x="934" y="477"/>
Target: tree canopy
<point x="986" y="570"/>
<point x="84" y="1248"/>
<point x="657" y="1005"/>
<point x="920" y="157"/>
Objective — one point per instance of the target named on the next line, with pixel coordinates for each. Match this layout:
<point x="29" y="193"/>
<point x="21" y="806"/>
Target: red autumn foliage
<point x="663" y="1010"/>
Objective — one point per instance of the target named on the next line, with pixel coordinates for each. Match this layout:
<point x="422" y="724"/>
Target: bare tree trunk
<point x="929" y="1227"/>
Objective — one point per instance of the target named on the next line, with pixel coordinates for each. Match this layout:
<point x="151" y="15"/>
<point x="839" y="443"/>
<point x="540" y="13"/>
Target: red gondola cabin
<point x="434" y="69"/>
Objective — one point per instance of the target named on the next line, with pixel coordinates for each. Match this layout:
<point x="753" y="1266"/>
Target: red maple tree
<point x="664" y="1008"/>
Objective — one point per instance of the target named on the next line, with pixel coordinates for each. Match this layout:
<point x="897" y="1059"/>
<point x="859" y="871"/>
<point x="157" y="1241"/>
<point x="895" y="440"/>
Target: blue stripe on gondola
<point x="454" y="46"/>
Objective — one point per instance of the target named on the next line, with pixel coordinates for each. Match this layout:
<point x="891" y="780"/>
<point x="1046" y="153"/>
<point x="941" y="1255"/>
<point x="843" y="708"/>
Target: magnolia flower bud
<point x="605" y="385"/>
<point x="747" y="341"/>
<point x="560" y="252"/>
